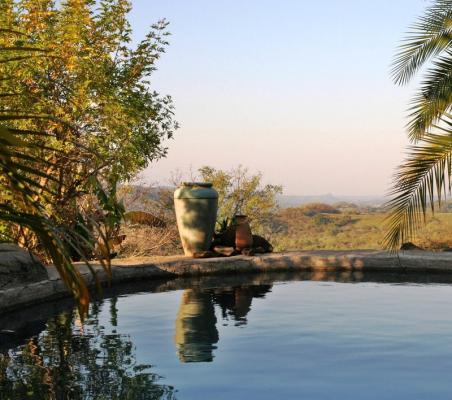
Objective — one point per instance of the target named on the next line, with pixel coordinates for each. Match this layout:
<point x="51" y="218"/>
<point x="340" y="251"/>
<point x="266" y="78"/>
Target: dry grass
<point x="295" y="229"/>
<point x="144" y="241"/>
<point x="353" y="231"/>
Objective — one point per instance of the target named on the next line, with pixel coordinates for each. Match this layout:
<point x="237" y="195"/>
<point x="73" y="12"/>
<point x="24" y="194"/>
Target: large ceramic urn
<point x="196" y="214"/>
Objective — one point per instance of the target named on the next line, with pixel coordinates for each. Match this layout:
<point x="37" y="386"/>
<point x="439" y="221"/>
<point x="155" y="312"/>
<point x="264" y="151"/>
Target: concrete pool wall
<point x="351" y="263"/>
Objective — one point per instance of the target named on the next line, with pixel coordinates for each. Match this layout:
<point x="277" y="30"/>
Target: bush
<point x="321" y="219"/>
<point x="318" y="208"/>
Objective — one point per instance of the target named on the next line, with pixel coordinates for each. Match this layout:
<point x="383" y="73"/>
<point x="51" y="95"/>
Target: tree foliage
<point x="77" y="114"/>
<point x="91" y="87"/>
<point x="243" y="193"/>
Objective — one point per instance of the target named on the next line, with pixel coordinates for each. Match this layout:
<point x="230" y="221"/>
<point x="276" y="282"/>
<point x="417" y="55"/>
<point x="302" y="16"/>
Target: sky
<point x="298" y="90"/>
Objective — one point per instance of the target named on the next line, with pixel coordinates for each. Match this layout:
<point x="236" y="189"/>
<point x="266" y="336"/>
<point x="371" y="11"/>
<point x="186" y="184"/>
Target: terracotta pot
<point x="196" y="213"/>
<point x="243" y="234"/>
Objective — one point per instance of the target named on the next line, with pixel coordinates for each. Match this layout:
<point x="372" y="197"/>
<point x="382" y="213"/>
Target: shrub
<point x="318" y="208"/>
<point x="321" y="219"/>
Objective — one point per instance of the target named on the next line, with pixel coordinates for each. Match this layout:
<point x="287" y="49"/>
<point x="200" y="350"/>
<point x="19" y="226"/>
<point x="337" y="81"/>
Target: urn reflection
<point x="196" y="333"/>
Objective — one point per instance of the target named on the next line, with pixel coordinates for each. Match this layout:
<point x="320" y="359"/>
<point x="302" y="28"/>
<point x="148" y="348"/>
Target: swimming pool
<point x="253" y="337"/>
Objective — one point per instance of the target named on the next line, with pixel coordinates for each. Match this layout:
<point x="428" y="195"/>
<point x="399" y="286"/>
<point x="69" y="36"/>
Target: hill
<point x="348" y="227"/>
<point x="285" y="201"/>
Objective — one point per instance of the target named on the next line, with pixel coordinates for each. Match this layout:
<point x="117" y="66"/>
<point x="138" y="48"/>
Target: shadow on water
<point x="46" y="353"/>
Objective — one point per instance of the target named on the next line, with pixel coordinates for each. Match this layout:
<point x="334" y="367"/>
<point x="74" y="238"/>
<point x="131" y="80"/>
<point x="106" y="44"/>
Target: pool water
<point x="253" y="339"/>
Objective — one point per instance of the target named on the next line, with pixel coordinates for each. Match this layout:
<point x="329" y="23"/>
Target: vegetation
<point x="240" y="192"/>
<point x="155" y="232"/>
<point x="77" y="115"/>
<point x="351" y="227"/>
<point x="425" y="176"/>
<point x="315" y="226"/>
<point x="149" y="241"/>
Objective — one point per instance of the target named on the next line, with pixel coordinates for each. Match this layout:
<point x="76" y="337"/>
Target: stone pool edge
<point x="125" y="270"/>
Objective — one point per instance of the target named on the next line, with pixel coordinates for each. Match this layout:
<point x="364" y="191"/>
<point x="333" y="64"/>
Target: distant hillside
<point x="296" y="229"/>
<point x="285" y="201"/>
<point x="138" y="193"/>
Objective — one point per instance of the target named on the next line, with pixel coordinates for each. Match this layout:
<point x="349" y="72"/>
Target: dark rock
<point x="261" y="245"/>
<point x="228" y="237"/>
<point x="410" y="246"/>
<point x="18" y="267"/>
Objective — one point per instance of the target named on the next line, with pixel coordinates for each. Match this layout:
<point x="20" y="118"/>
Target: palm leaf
<point x="428" y="37"/>
<point x="51" y="240"/>
<point x="53" y="237"/>
<point x="420" y="182"/>
<point x="434" y="98"/>
<point x="425" y="176"/>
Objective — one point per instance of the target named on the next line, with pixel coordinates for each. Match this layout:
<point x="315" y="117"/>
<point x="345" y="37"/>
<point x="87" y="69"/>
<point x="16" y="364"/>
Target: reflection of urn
<point x="195" y="327"/>
<point x="243" y="235"/>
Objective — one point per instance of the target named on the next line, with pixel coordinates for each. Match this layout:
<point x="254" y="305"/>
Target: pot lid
<point x="196" y="190"/>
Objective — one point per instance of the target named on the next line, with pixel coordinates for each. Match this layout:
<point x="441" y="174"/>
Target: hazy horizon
<point x="297" y="90"/>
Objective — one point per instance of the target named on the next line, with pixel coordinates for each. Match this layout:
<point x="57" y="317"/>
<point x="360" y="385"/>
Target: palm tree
<point x="425" y="177"/>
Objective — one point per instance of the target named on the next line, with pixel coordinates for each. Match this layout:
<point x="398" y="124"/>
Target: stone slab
<point x="317" y="263"/>
<point x="18" y="267"/>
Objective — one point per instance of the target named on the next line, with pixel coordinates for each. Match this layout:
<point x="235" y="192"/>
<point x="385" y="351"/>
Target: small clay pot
<point x="243" y="234"/>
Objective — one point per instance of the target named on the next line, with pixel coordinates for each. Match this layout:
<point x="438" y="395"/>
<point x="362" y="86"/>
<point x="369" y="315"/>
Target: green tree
<point x="425" y="176"/>
<point x="76" y="107"/>
<point x="240" y="192"/>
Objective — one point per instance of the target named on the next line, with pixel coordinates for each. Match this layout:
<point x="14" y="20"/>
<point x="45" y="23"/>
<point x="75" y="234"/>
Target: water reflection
<point x="49" y="355"/>
<point x="236" y="303"/>
<point x="65" y="359"/>
<point x="71" y="361"/>
<point x="196" y="333"/>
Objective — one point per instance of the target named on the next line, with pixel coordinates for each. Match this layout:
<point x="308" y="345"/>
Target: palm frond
<point x="26" y="163"/>
<point x="420" y="182"/>
<point x="22" y="180"/>
<point x="428" y="37"/>
<point x="434" y="98"/>
<point x="51" y="238"/>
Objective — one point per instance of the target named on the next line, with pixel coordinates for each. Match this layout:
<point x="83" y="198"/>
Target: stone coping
<point x="351" y="263"/>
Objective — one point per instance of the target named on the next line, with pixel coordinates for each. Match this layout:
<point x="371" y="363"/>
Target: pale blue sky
<point x="299" y="90"/>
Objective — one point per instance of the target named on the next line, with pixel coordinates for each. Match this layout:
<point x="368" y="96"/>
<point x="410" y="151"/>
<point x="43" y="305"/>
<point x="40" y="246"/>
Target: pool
<point x="252" y="337"/>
